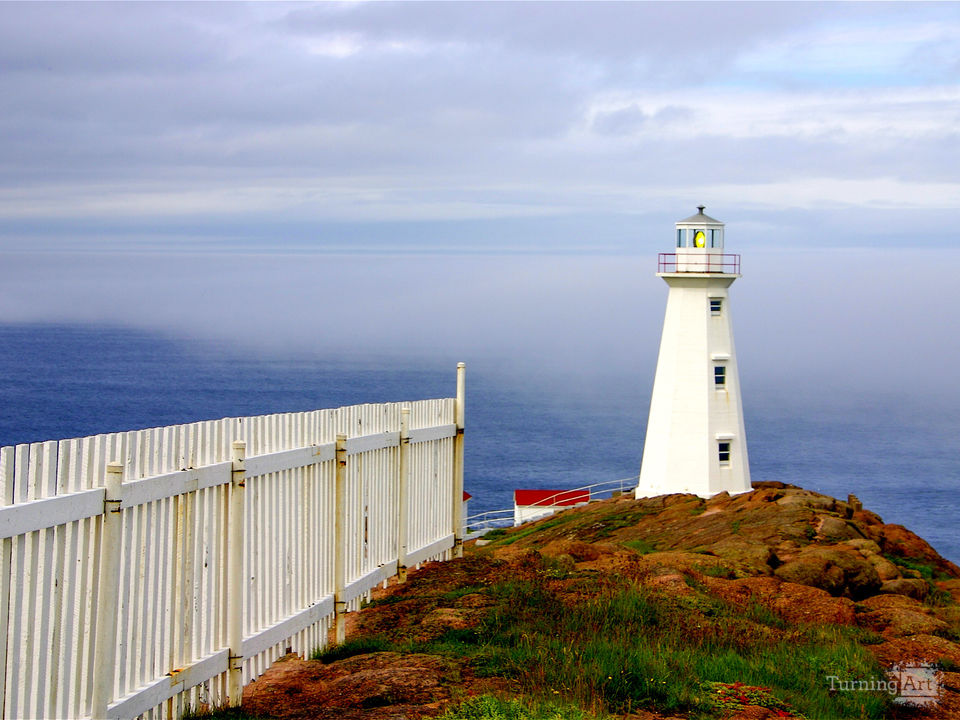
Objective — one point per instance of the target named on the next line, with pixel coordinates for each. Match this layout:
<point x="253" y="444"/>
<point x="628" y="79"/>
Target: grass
<point x="230" y="713"/>
<point x="488" y="707"/>
<point x="935" y="596"/>
<point x="354" y="646"/>
<point x="508" y="538"/>
<point x="622" y="648"/>
<point x="641" y="546"/>
<point x="579" y="644"/>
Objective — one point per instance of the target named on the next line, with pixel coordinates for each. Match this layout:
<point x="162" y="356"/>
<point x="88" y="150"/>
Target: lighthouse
<point x="695" y="440"/>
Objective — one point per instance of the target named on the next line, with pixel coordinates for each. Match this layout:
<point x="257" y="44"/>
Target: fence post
<point x="108" y="594"/>
<point x="235" y="575"/>
<point x="339" y="543"/>
<point x="403" y="494"/>
<point x="458" y="411"/>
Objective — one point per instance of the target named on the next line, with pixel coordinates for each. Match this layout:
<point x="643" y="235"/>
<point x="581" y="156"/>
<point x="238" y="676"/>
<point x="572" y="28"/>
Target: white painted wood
<point x="180" y="482"/>
<point x="107" y="600"/>
<point x="431" y="550"/>
<point x="341" y="559"/>
<point x="367" y="581"/>
<point x="456" y="500"/>
<point x="287" y="627"/>
<point x="234" y="594"/>
<point x="403" y="495"/>
<point x="429" y="434"/>
<point x="375" y="441"/>
<point x="49" y="512"/>
<point x="6" y="579"/>
<point x="171" y="589"/>
<point x="289" y="459"/>
<point x="162" y="689"/>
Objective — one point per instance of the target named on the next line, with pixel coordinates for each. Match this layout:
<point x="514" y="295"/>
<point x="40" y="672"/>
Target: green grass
<point x="935" y="596"/>
<point x="927" y="571"/>
<point x="232" y="713"/>
<point x="488" y="707"/>
<point x="511" y="537"/>
<point x="355" y="646"/>
<point x="495" y="533"/>
<point x="610" y="645"/>
<point x="628" y="649"/>
<point x="641" y="546"/>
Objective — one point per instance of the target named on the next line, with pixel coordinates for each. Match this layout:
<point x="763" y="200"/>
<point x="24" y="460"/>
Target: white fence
<point x="147" y="572"/>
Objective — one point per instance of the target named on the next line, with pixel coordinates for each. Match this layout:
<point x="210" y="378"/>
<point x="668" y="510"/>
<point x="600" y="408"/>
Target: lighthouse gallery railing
<point x="699" y="262"/>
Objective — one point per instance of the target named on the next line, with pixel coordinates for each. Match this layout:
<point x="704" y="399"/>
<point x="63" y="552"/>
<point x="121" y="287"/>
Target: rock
<point x="897" y="540"/>
<point x="864" y="518"/>
<point x="749" y="557"/>
<point x="792" y="602"/>
<point x="886" y="570"/>
<point x="854" y="502"/>
<point x="299" y="688"/>
<point x="911" y="587"/>
<point x="833" y="529"/>
<point x="900" y="621"/>
<point x="806" y="498"/>
<point x="897" y="615"/>
<point x="952" y="587"/>
<point x="773" y="484"/>
<point x="576" y="549"/>
<point x="916" y="648"/>
<point x="839" y="571"/>
<point x="863" y="546"/>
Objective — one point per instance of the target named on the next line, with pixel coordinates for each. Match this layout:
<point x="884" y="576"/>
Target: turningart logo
<point x="912" y="684"/>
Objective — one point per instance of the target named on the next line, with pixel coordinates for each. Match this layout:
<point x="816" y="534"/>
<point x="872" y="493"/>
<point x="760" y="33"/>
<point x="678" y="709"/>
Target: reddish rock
<point x="897" y="540"/>
<point x="911" y="587"/>
<point x="834" y="529"/>
<point x="839" y="570"/>
<point x="792" y="602"/>
<point x="577" y="549"/>
<point x="897" y="615"/>
<point x="295" y="688"/>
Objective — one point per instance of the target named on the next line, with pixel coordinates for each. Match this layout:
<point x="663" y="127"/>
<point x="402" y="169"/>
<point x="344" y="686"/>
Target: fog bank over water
<point x="809" y="324"/>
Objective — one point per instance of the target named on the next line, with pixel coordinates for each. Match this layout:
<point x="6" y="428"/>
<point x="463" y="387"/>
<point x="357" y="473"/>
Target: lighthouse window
<point x="723" y="453"/>
<point x="679" y="238"/>
<point x="715" y="305"/>
<point x="714" y="238"/>
<point x="719" y="375"/>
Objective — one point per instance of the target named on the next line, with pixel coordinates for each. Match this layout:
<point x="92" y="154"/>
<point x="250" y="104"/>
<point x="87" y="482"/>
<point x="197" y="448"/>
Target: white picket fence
<point x="148" y="572"/>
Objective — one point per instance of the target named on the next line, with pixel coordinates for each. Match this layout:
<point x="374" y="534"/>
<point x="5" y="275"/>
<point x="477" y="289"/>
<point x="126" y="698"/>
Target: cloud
<point x="216" y="122"/>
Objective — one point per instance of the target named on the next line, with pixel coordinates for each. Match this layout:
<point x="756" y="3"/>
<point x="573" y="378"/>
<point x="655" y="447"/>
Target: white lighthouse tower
<point x="695" y="439"/>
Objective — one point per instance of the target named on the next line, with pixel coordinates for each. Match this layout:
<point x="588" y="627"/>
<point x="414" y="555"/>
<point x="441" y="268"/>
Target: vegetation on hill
<point x="670" y="607"/>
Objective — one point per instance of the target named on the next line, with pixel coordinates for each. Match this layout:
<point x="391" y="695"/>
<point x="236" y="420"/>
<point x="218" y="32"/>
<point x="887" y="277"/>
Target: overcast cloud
<point x="467" y="180"/>
<point x="274" y="124"/>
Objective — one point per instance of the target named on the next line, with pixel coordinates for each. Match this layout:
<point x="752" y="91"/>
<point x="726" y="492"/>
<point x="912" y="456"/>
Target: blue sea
<point x="525" y="428"/>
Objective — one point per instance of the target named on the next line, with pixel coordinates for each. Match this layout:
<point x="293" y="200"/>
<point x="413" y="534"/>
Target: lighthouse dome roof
<point x="699" y="218"/>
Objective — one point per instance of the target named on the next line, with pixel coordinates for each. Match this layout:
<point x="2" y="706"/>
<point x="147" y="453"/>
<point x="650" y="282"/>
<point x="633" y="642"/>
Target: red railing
<point x="699" y="263"/>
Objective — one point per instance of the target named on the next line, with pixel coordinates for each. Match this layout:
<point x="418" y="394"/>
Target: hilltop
<point x="666" y="607"/>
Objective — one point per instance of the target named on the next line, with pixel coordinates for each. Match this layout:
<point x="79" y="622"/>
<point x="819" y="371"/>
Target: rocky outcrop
<point x="840" y="570"/>
<point x="786" y="559"/>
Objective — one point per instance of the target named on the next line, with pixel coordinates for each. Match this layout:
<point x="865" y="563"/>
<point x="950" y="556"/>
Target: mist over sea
<point x="528" y="425"/>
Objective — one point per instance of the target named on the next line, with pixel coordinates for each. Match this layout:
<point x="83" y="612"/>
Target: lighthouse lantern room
<point x="695" y="441"/>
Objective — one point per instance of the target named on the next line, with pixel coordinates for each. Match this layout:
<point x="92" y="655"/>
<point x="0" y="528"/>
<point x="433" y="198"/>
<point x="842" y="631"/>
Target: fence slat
<point x="146" y="588"/>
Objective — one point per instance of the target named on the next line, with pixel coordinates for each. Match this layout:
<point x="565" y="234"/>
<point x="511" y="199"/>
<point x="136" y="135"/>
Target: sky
<point x="498" y="175"/>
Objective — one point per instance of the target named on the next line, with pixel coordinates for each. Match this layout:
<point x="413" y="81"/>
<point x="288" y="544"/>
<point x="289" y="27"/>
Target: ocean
<point x="526" y="427"/>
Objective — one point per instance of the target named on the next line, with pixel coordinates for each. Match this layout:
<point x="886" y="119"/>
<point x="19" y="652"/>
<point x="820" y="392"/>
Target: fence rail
<point x="147" y="572"/>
